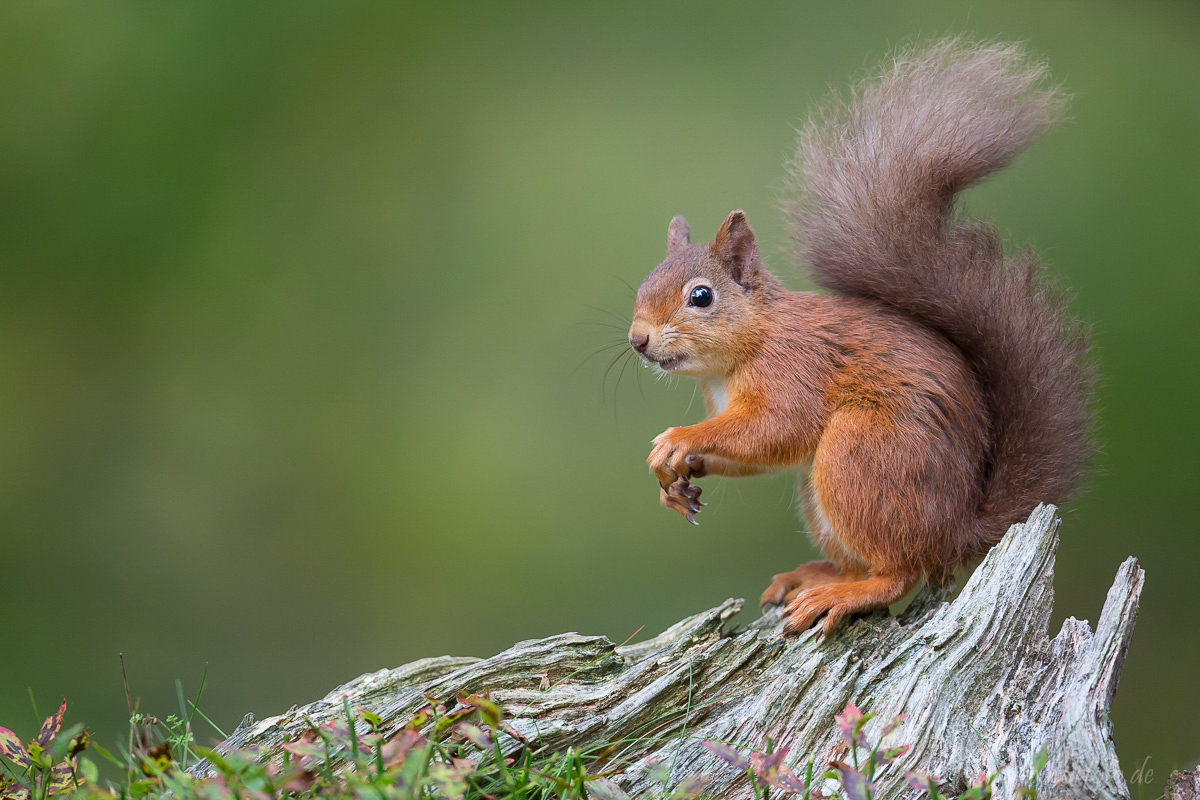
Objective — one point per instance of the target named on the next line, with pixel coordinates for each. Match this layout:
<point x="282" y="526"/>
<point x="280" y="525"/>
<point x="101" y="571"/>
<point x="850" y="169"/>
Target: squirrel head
<point x="703" y="307"/>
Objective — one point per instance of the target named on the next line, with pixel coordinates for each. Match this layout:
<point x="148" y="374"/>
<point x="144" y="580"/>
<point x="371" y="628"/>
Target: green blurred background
<point x="294" y="299"/>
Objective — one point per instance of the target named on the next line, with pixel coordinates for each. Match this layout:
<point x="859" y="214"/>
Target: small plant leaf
<point x="452" y="717"/>
<point x="767" y="765"/>
<point x="78" y="744"/>
<point x="157" y="760"/>
<point x="394" y="751"/>
<point x="889" y="754"/>
<point x="12" y="749"/>
<point x="420" y="718"/>
<point x="144" y="786"/>
<point x="516" y="734"/>
<point x="489" y="711"/>
<point x="62" y="777"/>
<point x="215" y="788"/>
<point x="369" y="742"/>
<point x="894" y="723"/>
<point x="604" y="789"/>
<point x="216" y="758"/>
<point x="88" y="772"/>
<point x="920" y="781"/>
<point x="789" y="781"/>
<point x="302" y="749"/>
<point x="850" y="723"/>
<point x="854" y="783"/>
<point x="298" y="780"/>
<point x="59" y="747"/>
<point x="11" y="790"/>
<point x="450" y="778"/>
<point x="52" y="724"/>
<point x="728" y="753"/>
<point x="475" y="735"/>
<point x="374" y="721"/>
<point x="37" y="755"/>
<point x="981" y="790"/>
<point x="337" y="731"/>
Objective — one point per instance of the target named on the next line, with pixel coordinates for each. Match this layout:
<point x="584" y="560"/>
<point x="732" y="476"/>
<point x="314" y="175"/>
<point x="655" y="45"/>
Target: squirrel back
<point x="872" y="212"/>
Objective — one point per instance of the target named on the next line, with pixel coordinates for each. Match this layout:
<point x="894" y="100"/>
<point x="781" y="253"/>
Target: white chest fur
<point x="718" y="394"/>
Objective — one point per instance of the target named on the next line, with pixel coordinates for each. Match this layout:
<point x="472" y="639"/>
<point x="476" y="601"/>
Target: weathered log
<point x="1183" y="785"/>
<point x="983" y="685"/>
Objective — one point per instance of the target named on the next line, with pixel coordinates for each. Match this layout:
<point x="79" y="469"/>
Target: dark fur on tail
<point x="873" y="215"/>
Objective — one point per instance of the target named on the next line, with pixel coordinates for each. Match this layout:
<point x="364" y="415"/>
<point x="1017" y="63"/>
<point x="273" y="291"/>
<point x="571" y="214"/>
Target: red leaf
<point x="306" y="749"/>
<point x="850" y="722"/>
<point x="727" y="753"/>
<point x="308" y="746"/>
<point x="768" y="765"/>
<point x="368" y="742"/>
<point x="300" y="780"/>
<point x="790" y="782"/>
<point x="771" y="771"/>
<point x="920" y="781"/>
<point x="855" y="784"/>
<point x="338" y="731"/>
<point x="516" y="734"/>
<point x="52" y="724"/>
<point x="394" y="751"/>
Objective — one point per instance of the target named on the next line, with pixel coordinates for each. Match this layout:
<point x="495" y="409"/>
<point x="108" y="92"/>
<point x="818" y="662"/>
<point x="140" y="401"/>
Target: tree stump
<point x="983" y="685"/>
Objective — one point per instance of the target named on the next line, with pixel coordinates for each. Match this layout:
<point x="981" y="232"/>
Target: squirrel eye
<point x="701" y="297"/>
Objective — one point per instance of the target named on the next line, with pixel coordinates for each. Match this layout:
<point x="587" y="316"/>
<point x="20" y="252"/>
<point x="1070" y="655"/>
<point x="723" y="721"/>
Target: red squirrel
<point x="936" y="395"/>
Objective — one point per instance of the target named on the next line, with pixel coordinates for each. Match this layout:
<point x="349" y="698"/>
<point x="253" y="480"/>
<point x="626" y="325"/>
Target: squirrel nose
<point x="640" y="341"/>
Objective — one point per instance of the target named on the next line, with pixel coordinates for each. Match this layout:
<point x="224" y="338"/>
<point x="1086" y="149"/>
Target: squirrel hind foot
<point x="836" y="601"/>
<point x="786" y="585"/>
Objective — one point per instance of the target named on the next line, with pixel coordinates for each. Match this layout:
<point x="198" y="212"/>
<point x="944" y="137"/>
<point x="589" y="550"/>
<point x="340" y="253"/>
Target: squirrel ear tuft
<point x="678" y="234"/>
<point x="736" y="248"/>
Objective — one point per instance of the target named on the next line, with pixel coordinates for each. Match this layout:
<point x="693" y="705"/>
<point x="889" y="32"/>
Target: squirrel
<point x="937" y="394"/>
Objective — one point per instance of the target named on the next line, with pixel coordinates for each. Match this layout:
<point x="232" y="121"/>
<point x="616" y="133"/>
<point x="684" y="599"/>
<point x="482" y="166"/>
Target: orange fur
<point x="932" y="401"/>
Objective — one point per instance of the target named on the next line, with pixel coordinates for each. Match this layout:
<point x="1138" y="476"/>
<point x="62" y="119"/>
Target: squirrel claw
<point x="688" y="493"/>
<point x="683" y="498"/>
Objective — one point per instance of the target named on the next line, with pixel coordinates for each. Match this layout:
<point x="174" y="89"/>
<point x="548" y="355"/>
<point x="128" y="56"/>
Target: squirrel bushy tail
<point x="872" y="214"/>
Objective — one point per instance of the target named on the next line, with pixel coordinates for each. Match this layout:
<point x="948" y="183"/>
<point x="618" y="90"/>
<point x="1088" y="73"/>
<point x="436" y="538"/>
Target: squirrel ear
<point x="736" y="248"/>
<point x="678" y="234"/>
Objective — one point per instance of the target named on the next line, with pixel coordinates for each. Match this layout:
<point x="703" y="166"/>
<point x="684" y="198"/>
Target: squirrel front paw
<point x="668" y="457"/>
<point x="674" y="467"/>
<point x="682" y="497"/>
